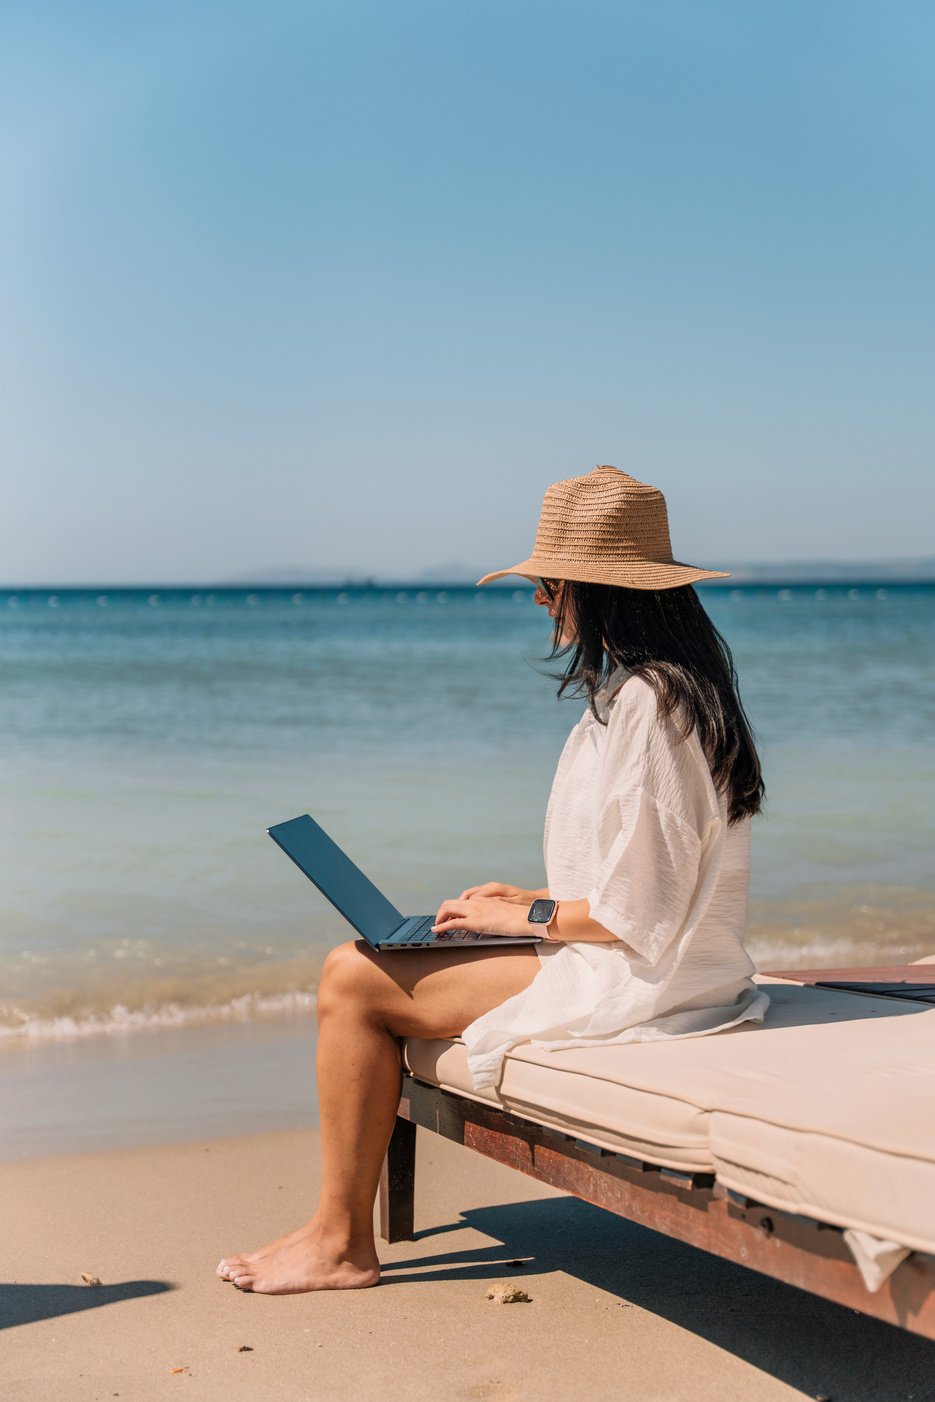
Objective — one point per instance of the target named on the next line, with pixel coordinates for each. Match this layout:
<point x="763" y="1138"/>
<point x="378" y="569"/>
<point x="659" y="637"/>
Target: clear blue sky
<point x="348" y="284"/>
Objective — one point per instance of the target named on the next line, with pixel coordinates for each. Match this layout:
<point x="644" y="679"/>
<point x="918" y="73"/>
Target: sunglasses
<point x="549" y="587"/>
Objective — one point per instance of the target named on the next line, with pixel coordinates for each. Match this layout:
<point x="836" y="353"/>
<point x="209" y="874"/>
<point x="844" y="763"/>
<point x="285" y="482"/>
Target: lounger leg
<point x="397" y="1184"/>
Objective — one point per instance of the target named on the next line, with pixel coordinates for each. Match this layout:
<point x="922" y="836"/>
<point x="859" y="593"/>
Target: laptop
<point x="359" y="901"/>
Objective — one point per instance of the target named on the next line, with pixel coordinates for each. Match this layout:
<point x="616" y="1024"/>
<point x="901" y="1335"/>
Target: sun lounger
<point x="803" y="1148"/>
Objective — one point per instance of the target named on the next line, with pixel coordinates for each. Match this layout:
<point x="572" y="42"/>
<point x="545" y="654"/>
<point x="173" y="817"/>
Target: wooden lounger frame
<point x="692" y="1207"/>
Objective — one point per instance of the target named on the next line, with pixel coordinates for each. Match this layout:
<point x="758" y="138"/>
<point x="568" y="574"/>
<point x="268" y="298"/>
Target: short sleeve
<point x="643" y="750"/>
<point x="648" y="872"/>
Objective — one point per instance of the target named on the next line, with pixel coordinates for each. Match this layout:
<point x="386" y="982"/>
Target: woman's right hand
<point x="499" y="888"/>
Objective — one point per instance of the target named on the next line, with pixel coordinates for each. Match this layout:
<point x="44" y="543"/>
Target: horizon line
<point x="735" y="580"/>
<point x="906" y="568"/>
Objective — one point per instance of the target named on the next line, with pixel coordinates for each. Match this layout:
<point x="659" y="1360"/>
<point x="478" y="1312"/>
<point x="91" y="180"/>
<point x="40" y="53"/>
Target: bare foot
<point x="310" y="1263"/>
<point x="231" y="1265"/>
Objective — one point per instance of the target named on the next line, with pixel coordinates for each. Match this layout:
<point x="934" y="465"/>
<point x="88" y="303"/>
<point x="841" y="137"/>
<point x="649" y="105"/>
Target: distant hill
<point x="291" y="574"/>
<point x="917" y="569"/>
<point x="456" y="573"/>
<point x="904" y="570"/>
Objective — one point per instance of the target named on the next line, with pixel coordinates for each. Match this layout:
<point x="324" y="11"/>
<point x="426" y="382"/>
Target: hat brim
<point x="625" y="574"/>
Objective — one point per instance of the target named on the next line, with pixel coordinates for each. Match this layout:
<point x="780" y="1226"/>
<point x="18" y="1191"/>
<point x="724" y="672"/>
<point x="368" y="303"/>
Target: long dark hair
<point x="665" y="637"/>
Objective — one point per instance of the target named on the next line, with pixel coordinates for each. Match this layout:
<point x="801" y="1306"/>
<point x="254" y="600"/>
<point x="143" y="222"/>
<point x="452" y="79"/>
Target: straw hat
<point x="605" y="528"/>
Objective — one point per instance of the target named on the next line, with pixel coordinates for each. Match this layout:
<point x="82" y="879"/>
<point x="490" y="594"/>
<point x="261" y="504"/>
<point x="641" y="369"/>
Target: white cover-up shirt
<point x="635" y="826"/>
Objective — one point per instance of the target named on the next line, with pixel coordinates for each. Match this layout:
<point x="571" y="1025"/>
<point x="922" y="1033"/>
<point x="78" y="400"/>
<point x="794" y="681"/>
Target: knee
<point x="345" y="976"/>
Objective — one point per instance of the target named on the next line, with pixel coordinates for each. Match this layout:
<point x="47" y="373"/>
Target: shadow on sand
<point x="809" y="1343"/>
<point x="24" y="1304"/>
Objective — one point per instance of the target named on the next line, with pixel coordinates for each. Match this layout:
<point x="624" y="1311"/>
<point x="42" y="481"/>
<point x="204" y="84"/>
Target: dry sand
<point x="616" y="1311"/>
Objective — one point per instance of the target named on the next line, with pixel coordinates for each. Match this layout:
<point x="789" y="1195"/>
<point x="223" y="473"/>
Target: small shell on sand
<point x="90" y="1279"/>
<point x="508" y="1295"/>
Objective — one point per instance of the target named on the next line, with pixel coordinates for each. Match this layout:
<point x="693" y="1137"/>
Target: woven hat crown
<point x="605" y="528"/>
<point x="606" y="514"/>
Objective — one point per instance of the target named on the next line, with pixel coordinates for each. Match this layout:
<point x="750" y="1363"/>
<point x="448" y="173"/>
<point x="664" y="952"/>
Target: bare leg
<point x="366" y="1002"/>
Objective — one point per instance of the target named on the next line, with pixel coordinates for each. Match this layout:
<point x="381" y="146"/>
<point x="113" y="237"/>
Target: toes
<point x="243" y="1282"/>
<point x="230" y="1266"/>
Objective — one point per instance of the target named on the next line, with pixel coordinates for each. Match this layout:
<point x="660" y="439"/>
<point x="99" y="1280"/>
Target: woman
<point x="647" y="858"/>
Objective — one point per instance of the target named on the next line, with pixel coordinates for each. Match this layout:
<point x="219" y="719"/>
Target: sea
<point x="152" y="735"/>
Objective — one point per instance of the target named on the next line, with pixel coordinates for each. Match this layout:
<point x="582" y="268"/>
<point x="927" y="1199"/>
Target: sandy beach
<point x="317" y="318"/>
<point x="615" y="1310"/>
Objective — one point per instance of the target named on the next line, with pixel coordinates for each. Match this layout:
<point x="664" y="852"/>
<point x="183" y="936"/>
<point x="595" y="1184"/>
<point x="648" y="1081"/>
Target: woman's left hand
<point x="488" y="915"/>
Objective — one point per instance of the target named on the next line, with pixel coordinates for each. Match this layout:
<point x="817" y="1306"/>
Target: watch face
<point x="541" y="912"/>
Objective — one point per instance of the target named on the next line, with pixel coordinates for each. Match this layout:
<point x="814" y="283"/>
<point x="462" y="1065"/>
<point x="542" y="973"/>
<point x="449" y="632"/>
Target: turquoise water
<point x="153" y="735"/>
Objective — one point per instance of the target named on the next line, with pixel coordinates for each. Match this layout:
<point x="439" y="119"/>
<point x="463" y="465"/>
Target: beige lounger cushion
<point x="846" y="1134"/>
<point x="826" y="1109"/>
<point x="577" y="1093"/>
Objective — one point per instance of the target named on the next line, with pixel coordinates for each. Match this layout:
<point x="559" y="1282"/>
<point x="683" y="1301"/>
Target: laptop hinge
<point x="403" y="931"/>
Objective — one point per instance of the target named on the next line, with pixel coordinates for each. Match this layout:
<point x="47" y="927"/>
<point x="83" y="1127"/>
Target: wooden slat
<point x="797" y="1250"/>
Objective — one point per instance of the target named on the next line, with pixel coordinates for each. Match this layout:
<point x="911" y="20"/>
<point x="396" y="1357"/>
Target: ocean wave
<point x="120" y="1019"/>
<point x="156" y="986"/>
<point x="66" y="998"/>
<point x="877" y="926"/>
<point x="816" y="952"/>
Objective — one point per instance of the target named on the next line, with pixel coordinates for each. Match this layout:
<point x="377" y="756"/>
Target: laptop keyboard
<point x="422" y="934"/>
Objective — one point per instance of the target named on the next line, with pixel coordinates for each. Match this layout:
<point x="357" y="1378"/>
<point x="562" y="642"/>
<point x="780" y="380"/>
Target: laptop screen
<point x="337" y="877"/>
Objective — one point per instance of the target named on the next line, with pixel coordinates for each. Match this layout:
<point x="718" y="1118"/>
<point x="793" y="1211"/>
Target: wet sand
<point x="616" y="1311"/>
<point x="156" y="1086"/>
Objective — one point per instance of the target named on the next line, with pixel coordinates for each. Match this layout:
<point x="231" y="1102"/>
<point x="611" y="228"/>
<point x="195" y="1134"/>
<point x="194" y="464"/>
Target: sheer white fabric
<point x="635" y="826"/>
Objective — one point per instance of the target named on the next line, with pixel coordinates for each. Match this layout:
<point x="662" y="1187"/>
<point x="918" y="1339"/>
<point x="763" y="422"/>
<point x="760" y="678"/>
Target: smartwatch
<point x="542" y="912"/>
